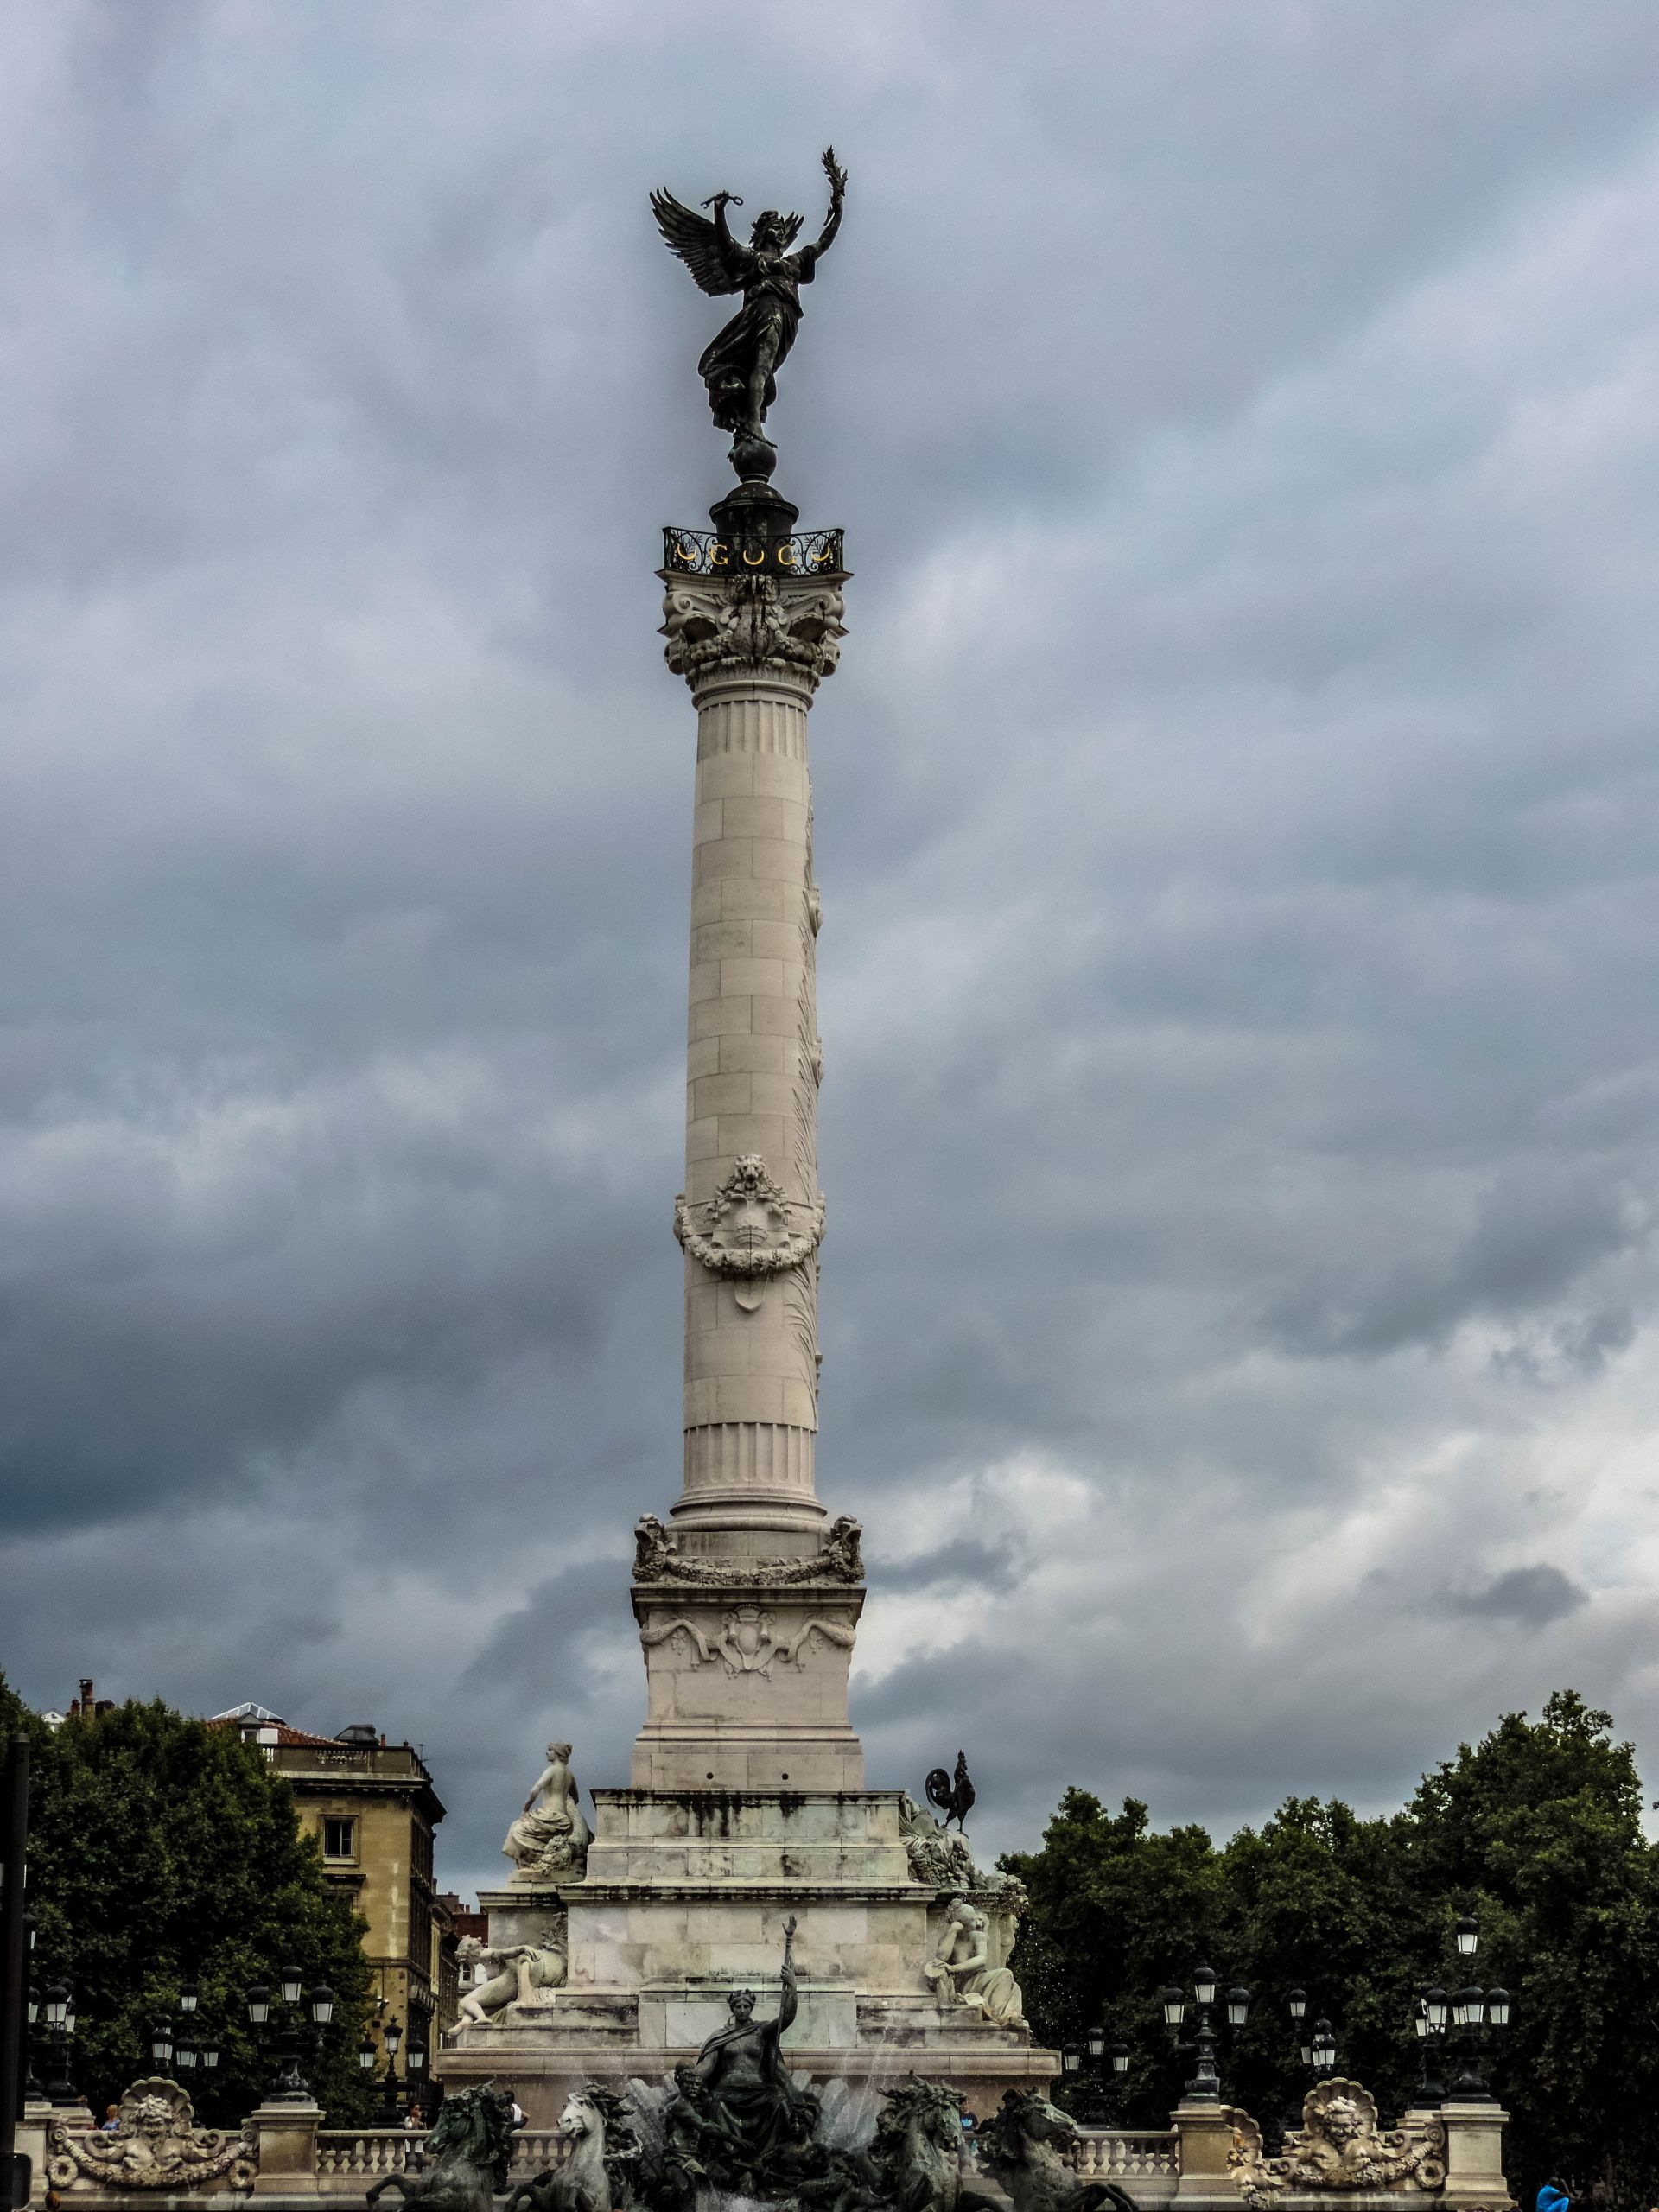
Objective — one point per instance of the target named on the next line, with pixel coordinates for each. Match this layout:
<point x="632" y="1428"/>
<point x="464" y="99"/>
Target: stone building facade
<point x="374" y="1809"/>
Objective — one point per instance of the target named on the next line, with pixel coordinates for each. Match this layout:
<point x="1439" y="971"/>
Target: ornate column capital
<point x="749" y="627"/>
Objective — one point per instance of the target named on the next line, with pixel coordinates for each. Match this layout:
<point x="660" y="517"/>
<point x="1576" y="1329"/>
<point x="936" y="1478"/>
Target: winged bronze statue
<point x="740" y="365"/>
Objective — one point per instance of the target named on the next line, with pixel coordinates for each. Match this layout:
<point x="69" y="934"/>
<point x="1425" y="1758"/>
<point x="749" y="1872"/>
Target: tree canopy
<point x="163" y="1851"/>
<point x="1537" y="1831"/>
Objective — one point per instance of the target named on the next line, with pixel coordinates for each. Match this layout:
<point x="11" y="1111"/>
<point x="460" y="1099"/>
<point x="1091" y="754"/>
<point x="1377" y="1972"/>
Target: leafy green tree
<point x="163" y="1851"/>
<point x="1537" y="1830"/>
<point x="1540" y="1828"/>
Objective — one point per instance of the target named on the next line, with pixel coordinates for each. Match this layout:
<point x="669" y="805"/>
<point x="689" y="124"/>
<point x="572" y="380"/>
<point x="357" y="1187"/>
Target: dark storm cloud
<point x="1531" y="1597"/>
<point x="1235" y="813"/>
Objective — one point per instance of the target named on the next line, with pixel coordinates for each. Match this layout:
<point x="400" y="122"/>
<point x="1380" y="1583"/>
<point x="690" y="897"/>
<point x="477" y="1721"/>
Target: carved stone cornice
<point x="657" y="1559"/>
<point x="745" y="624"/>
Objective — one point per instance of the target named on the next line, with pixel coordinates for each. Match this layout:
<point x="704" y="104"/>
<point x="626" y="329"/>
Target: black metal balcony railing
<point x="704" y="553"/>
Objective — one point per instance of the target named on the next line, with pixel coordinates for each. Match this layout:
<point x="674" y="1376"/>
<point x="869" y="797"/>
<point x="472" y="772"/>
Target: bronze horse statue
<point x="467" y="2153"/>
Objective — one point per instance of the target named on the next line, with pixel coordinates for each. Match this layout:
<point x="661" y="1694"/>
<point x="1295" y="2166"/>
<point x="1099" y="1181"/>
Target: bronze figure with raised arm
<point x="742" y="2074"/>
<point x="740" y="367"/>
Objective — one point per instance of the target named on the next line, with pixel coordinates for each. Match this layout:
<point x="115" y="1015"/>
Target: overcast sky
<point x="1237" y="819"/>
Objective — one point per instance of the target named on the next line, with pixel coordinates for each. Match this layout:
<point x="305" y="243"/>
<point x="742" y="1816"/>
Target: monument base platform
<point x="687" y="1896"/>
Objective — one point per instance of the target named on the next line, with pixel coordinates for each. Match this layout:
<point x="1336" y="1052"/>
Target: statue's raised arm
<point x="740" y="365"/>
<point x="837" y="177"/>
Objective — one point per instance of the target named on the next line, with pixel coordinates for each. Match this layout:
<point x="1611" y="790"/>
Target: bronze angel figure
<point x="740" y="367"/>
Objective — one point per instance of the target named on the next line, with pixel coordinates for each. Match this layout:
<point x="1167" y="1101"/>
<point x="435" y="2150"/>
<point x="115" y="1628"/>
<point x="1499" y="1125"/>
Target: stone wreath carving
<point x="748" y="1229"/>
<point x="1340" y="2147"/>
<point x="656" y="1558"/>
<point x="748" y="1643"/>
<point x="155" y="2144"/>
<point x="711" y="623"/>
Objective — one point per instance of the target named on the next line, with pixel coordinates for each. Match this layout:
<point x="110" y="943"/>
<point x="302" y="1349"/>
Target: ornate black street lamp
<point x="60" y="2010"/>
<point x="1085" y="2062"/>
<point x="391" y="2035"/>
<point x="1316" y="2048"/>
<point x="32" y="2088"/>
<point x="1454" y="2028"/>
<point x="290" y="2085"/>
<point x="1204" y="2087"/>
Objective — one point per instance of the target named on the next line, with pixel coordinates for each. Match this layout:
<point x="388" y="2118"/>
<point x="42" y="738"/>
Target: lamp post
<point x="59" y="2011"/>
<point x="32" y="2088"/>
<point x="391" y="2035"/>
<point x="1084" y="2062"/>
<point x="1455" y="2028"/>
<point x="415" y="2064"/>
<point x="290" y="2085"/>
<point x="1204" y="2087"/>
<point x="1317" y="2048"/>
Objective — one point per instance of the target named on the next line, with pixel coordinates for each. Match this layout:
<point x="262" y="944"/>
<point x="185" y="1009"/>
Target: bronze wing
<point x="697" y="242"/>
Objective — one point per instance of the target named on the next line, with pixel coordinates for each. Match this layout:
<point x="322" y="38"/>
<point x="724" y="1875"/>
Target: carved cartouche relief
<point x="154" y="2145"/>
<point x="1340" y="2148"/>
<point x="749" y="1230"/>
<point x="748" y="1642"/>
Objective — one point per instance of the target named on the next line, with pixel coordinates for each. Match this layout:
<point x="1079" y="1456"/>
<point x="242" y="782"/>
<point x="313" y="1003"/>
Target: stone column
<point x="748" y="1607"/>
<point x="753" y="650"/>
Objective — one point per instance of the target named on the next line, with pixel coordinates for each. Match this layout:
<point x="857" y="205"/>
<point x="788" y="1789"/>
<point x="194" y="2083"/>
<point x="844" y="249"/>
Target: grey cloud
<point x="1234" y="814"/>
<point x="1530" y="1596"/>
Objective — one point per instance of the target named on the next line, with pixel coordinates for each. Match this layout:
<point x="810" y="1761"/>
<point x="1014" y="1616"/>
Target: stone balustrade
<point x="1111" y="2153"/>
<point x="349" y="2158"/>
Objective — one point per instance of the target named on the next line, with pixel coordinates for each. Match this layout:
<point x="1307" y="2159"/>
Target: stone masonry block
<point x="719" y="1017"/>
<point x="768" y="1094"/>
<point x="774" y="1017"/>
<point x="766" y="817"/>
<point x="727" y="1094"/>
<point x="746" y="977"/>
<point x="779" y="777"/>
<point x="726" y="940"/>
<point x="728" y="856"/>
<point x="760" y="1055"/>
<point x="742" y="1134"/>
<point x="779" y="859"/>
<point x="708" y="821"/>
<point x="726" y="775"/>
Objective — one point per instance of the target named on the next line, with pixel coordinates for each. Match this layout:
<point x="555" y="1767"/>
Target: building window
<point x="339" y="1839"/>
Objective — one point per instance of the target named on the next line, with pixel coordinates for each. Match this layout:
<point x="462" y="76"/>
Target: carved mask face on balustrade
<point x="1342" y="2121"/>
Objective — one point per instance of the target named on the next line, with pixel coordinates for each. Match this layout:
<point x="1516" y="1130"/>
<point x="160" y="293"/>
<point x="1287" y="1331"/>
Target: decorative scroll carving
<point x="1340" y="2147"/>
<point x="657" y="1558"/>
<point x="749" y="1228"/>
<point x="748" y="1642"/>
<point x="155" y="2144"/>
<point x="749" y="619"/>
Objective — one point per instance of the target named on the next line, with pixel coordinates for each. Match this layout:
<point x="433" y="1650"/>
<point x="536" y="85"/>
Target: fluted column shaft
<point x="752" y="1082"/>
